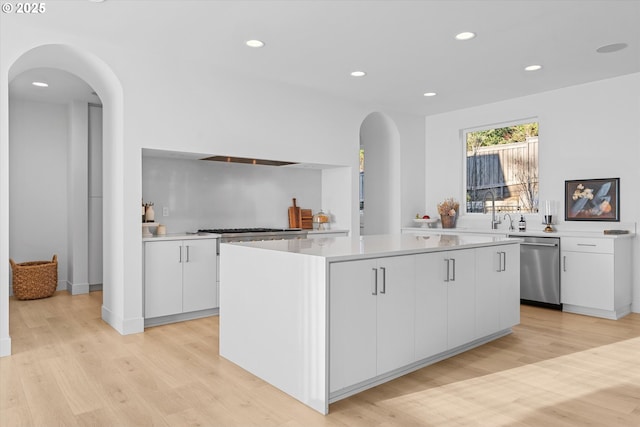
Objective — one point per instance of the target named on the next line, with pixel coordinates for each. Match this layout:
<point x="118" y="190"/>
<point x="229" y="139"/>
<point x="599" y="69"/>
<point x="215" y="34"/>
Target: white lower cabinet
<point x="497" y="289"/>
<point x="387" y="313"/>
<point x="445" y="301"/>
<point x="371" y="318"/>
<point x="596" y="276"/>
<point x="180" y="276"/>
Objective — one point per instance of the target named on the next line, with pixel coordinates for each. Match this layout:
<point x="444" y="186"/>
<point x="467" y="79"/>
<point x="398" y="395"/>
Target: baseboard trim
<point x="123" y="326"/>
<point x="77" y="288"/>
<point x="5" y="347"/>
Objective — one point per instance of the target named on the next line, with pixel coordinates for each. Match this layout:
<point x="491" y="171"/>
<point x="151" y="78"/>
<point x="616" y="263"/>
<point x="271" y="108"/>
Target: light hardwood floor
<point x="69" y="368"/>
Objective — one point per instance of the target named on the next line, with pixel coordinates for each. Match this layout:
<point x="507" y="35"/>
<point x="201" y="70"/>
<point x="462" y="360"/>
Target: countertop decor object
<point x="322" y="219"/>
<point x="448" y="210"/>
<point x="426" y="222"/>
<point x="295" y="215"/>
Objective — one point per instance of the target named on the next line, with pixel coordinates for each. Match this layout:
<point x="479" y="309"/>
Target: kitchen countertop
<point x="516" y="233"/>
<point x="181" y="236"/>
<point x="352" y="248"/>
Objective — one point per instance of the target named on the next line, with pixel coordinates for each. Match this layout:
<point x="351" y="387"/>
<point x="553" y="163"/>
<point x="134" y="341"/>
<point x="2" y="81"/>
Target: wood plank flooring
<point x="69" y="368"/>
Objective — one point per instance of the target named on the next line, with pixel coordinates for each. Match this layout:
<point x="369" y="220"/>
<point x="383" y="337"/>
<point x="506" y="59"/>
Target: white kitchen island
<point x="322" y="319"/>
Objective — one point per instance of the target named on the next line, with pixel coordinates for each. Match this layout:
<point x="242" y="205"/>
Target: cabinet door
<point x="395" y="309"/>
<point x="199" y="275"/>
<point x="461" y="297"/>
<point x="352" y="323"/>
<point x="430" y="305"/>
<point x="162" y="278"/>
<point x="489" y="265"/>
<point x="587" y="280"/>
<point x="497" y="289"/>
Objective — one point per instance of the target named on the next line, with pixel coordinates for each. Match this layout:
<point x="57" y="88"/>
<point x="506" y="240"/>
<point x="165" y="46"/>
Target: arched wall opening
<point x="380" y="140"/>
<point x="101" y="78"/>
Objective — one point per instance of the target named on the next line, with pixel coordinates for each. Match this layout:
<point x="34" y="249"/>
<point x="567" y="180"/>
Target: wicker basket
<point x="35" y="279"/>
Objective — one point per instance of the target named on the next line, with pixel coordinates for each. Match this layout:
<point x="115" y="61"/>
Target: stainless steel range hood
<point x="230" y="159"/>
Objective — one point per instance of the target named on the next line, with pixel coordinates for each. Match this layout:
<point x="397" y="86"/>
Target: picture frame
<point x="592" y="200"/>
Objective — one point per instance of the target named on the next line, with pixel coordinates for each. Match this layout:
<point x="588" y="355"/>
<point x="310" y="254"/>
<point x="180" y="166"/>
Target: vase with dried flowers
<point x="448" y="211"/>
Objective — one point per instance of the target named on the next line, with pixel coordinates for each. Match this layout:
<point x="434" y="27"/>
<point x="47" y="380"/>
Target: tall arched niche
<point x="380" y="140"/>
<point x="102" y="79"/>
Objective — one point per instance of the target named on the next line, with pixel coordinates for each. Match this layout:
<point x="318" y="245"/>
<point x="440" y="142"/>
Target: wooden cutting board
<point x="295" y="216"/>
<point x="307" y="219"/>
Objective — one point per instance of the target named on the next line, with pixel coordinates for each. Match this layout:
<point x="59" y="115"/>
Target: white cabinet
<point x="596" y="276"/>
<point x="371" y="318"/>
<point x="460" y="279"/>
<point x="431" y="305"/>
<point x="497" y="289"/>
<point x="445" y="302"/>
<point x="180" y="276"/>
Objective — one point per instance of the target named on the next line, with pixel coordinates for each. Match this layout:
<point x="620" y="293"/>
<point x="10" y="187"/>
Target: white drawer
<point x="586" y="244"/>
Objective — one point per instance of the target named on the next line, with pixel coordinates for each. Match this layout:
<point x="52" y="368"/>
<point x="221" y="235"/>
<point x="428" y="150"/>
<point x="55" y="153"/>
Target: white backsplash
<point x="205" y="194"/>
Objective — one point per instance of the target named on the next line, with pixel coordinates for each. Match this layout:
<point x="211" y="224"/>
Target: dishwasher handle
<point x="548" y="245"/>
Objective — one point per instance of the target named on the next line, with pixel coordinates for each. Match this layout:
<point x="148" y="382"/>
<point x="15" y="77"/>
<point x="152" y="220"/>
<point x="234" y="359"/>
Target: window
<point x="503" y="163"/>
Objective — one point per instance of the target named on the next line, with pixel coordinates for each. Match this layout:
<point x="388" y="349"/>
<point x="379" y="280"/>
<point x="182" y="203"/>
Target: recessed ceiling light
<point x="254" y="43"/>
<point x="40" y="84"/>
<point x="430" y="94"/>
<point x="466" y="35"/>
<point x="533" y="67"/>
<point x="611" y="48"/>
<point x="358" y="74"/>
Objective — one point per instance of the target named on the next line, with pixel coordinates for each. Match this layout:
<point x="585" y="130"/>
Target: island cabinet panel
<point x="497" y="289"/>
<point x="371" y="318"/>
<point x="460" y="280"/>
<point x="430" y="305"/>
<point x="179" y="277"/>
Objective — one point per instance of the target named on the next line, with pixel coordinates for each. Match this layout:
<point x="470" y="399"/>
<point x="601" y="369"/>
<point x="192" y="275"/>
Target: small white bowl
<point x="426" y="222"/>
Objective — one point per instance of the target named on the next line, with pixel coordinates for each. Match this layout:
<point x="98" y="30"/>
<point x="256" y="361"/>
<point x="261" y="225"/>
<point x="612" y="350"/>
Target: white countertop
<point x="181" y="236"/>
<point x="351" y="248"/>
<point x="516" y="233"/>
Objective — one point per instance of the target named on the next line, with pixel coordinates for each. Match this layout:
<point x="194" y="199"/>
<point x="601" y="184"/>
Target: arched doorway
<point x="100" y="77"/>
<point x="380" y="142"/>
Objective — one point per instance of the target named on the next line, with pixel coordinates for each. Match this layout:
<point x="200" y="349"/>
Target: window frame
<point x="463" y="141"/>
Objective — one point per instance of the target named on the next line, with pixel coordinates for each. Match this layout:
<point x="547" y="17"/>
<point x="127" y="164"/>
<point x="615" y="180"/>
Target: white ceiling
<point x="406" y="47"/>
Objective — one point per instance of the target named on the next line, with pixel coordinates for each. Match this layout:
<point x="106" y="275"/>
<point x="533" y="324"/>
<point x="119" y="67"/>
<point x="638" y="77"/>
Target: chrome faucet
<point x="511" y="227"/>
<point x="494" y="220"/>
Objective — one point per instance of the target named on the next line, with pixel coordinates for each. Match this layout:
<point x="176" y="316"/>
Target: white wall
<point x="228" y="115"/>
<point x="205" y="194"/>
<point x="38" y="176"/>
<point x="586" y="131"/>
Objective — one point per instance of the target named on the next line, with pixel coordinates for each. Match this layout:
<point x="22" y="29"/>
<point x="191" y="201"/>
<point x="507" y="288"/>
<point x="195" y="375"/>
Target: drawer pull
<point x="587" y="244"/>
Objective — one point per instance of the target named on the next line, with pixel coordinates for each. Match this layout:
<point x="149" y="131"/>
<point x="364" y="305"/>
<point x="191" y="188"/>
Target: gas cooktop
<point x="245" y="230"/>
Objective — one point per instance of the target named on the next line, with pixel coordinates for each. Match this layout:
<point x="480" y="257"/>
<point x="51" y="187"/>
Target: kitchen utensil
<point x="307" y="219"/>
<point x="295" y="216"/>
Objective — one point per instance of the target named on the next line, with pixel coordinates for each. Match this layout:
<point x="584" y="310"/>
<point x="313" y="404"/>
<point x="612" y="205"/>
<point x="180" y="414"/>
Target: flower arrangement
<point x="449" y="207"/>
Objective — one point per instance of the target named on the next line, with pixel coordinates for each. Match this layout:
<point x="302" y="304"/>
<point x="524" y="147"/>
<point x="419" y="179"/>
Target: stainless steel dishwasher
<point x="540" y="271"/>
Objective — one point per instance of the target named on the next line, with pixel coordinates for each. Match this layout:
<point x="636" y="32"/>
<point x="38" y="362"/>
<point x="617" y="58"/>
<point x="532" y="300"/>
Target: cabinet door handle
<point x="453" y="277"/>
<point x="180" y="259"/>
<point x="564" y="263"/>
<point x="447" y="277"/>
<point x="187" y="253"/>
<point x="499" y="262"/>
<point x="384" y="280"/>
<point x="374" y="281"/>
<point x="504" y="261"/>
